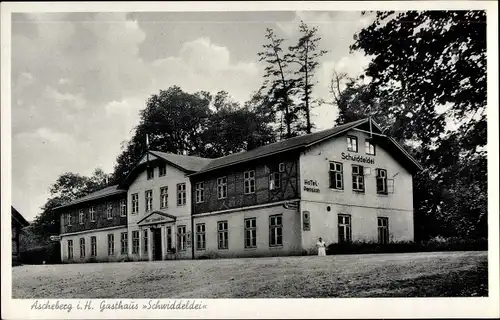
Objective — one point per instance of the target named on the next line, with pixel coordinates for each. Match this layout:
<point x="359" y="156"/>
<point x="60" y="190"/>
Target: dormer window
<point x="352" y="144"/>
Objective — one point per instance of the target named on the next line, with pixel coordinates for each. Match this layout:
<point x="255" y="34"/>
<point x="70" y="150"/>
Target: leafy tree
<point x="428" y="71"/>
<point x="278" y="81"/>
<point x="68" y="187"/>
<point x="196" y="124"/>
<point x="306" y="54"/>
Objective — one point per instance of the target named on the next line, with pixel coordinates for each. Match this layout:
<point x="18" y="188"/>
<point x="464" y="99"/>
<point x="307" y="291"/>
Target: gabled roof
<point x="297" y="143"/>
<point x="278" y="147"/>
<point x="187" y="163"/>
<point x="18" y="218"/>
<point x="102" y="193"/>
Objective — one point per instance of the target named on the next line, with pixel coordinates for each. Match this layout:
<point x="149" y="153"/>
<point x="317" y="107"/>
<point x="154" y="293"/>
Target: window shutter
<point x="390" y="185"/>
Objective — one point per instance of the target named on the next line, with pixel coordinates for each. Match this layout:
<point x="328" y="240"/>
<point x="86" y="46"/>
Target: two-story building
<point x="348" y="183"/>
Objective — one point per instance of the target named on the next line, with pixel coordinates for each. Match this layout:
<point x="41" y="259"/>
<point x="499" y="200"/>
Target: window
<point x="390" y="185"/>
<point x="358" y="179"/>
<point x="381" y="181"/>
<point x="169" y="239"/>
<point x="149" y="200"/>
<point x="111" y="244"/>
<point x="163" y="197"/>
<point x="251" y="233"/>
<point x="276" y="230"/>
<point x="92" y="214"/>
<point x="163" y="170"/>
<point x="123" y="208"/>
<point x="383" y="230"/>
<point x="181" y="194"/>
<point x="80" y="216"/>
<point x="352" y="144"/>
<point x="124" y="242"/>
<point x="68" y="219"/>
<point x="222" y="187"/>
<point x="150" y="173"/>
<point x="93" y="246"/>
<point x="200" y="236"/>
<point x="369" y="148"/>
<point x="344" y="228"/>
<point x="70" y="249"/>
<point x="82" y="248"/>
<point x="135" y="242"/>
<point x="181" y="238"/>
<point x="274" y="181"/>
<point x="146" y="241"/>
<point x="281" y="167"/>
<point x="135" y="203"/>
<point x="222" y="235"/>
<point x="249" y="177"/>
<point x="336" y="176"/>
<point x="200" y="192"/>
<point x="109" y="211"/>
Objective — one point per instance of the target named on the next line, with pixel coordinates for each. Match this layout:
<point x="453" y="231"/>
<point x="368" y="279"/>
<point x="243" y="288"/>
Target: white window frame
<point x="200" y="192"/>
<point x="109" y="211"/>
<point x="369" y="147"/>
<point x="92" y="214"/>
<point x="135" y="242"/>
<point x="181" y="238"/>
<point x="82" y="248"/>
<point x="124" y="243"/>
<point x="358" y="178"/>
<point x="250" y="235"/>
<point x="201" y="240"/>
<point x="281" y="167"/>
<point x="223" y="235"/>
<point x="123" y="208"/>
<point x="148" y="196"/>
<point x="346" y="226"/>
<point x="181" y="194"/>
<point x="80" y="216"/>
<point x="275" y="227"/>
<point x="336" y="175"/>
<point x="93" y="246"/>
<point x="383" y="230"/>
<point x="275" y="181"/>
<point x="70" y="249"/>
<point x="352" y="143"/>
<point x="249" y="181"/>
<point x="164" y="197"/>
<point x="68" y="215"/>
<point x="111" y="244"/>
<point x="222" y="187"/>
<point x="135" y="203"/>
<point x="382" y="179"/>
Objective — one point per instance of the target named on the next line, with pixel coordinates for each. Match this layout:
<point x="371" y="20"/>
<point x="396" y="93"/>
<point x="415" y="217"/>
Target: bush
<point x="436" y="244"/>
<point x="209" y="255"/>
<point x="50" y="253"/>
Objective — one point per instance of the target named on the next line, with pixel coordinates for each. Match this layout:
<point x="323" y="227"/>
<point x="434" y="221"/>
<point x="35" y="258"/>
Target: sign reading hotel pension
<point x="311" y="186"/>
<point x="357" y="158"/>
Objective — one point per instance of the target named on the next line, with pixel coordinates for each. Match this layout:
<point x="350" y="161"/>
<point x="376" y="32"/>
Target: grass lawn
<point x="450" y="274"/>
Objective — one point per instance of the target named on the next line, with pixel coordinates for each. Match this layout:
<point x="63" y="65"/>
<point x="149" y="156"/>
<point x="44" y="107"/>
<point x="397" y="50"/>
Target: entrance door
<point x="156" y="243"/>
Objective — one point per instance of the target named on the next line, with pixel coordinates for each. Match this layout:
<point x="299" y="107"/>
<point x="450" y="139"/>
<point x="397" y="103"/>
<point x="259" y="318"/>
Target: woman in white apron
<point x="321" y="247"/>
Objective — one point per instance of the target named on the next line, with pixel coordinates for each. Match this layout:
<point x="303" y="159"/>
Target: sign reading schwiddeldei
<point x="357" y="158"/>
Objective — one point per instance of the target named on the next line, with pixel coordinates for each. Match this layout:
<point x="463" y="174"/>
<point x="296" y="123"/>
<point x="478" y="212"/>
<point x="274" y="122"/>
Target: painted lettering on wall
<point x="311" y="186"/>
<point x="357" y="158"/>
<point x="155" y="219"/>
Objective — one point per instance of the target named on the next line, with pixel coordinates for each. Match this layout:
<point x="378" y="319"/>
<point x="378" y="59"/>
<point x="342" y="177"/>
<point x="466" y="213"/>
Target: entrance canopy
<point x="156" y="217"/>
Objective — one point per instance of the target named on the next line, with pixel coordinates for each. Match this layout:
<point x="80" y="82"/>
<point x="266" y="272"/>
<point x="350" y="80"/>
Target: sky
<point x="80" y="79"/>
